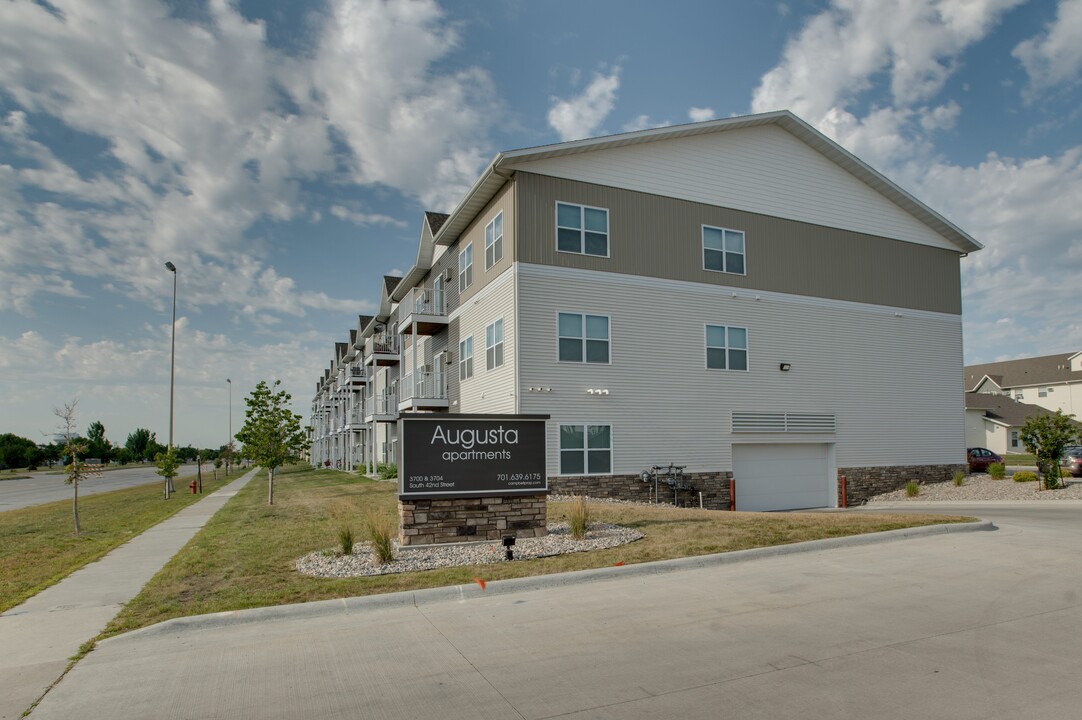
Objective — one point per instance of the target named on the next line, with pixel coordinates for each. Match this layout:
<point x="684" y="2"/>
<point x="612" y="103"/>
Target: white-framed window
<point x="1019" y="395"/>
<point x="723" y="250"/>
<point x="494" y="241"/>
<point x="1042" y="392"/>
<point x="465" y="358"/>
<point x="465" y="267"/>
<point x="585" y="449"/>
<point x="494" y="345"/>
<point x="583" y="338"/>
<point x="726" y="347"/>
<point x="582" y="229"/>
<point x="1014" y="438"/>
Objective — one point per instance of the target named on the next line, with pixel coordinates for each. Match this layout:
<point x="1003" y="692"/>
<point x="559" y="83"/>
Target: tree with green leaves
<point x="1046" y="435"/>
<point x="97" y="445"/>
<point x="138" y="444"/>
<point x="272" y="433"/>
<point x="167" y="463"/>
<point x="73" y="447"/>
<point x="16" y="451"/>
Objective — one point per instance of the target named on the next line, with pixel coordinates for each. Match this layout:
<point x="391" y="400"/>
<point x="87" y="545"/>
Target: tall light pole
<point x="229" y="445"/>
<point x="172" y="365"/>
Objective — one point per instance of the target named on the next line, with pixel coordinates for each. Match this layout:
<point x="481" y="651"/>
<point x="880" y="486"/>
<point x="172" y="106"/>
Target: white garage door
<point x="782" y="477"/>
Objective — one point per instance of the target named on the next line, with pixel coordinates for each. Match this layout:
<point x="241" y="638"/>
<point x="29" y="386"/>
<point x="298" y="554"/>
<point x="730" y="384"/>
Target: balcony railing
<point x="426" y="386"/>
<point x="429" y="302"/>
<point x="383" y="403"/>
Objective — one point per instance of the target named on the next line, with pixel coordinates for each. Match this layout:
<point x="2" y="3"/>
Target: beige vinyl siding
<point x="662" y="237"/>
<point x="762" y="170"/>
<point x="504" y="202"/>
<point x="894" y="383"/>
<point x="488" y="391"/>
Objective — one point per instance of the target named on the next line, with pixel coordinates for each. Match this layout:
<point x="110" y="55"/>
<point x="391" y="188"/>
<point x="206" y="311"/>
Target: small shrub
<point x="579" y="518"/>
<point x="959" y="478"/>
<point x="345" y="539"/>
<point x="380" y="531"/>
<point x="912" y="489"/>
<point x="997" y="470"/>
<point x="1025" y="476"/>
<point x="387" y="471"/>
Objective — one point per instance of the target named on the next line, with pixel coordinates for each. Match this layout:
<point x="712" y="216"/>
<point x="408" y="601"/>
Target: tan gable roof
<point x="1025" y="372"/>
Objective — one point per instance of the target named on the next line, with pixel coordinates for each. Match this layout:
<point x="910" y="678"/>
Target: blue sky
<point x="281" y="154"/>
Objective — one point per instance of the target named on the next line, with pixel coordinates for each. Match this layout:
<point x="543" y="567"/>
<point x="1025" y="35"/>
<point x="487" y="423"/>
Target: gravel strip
<point x="327" y="563"/>
<point x="983" y="487"/>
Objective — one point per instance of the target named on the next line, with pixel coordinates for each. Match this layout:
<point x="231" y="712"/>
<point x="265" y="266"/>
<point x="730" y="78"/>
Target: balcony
<point x="356" y="376"/>
<point x="381" y="350"/>
<point x="426" y="310"/>
<point x="355" y="422"/>
<point x="381" y="407"/>
<point x="423" y="391"/>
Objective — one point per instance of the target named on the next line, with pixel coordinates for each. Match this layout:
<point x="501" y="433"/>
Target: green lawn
<point x="1022" y="459"/>
<point x="38" y="547"/>
<point x="244" y="557"/>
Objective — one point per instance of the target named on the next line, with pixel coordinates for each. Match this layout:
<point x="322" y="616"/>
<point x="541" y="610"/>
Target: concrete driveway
<point x="970" y="625"/>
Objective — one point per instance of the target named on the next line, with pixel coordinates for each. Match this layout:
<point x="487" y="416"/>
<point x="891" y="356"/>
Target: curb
<point x="462" y="593"/>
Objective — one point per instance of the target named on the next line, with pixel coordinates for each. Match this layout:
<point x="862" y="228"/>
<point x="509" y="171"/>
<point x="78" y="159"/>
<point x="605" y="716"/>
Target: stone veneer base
<point x="864" y="483"/>
<point x="436" y="521"/>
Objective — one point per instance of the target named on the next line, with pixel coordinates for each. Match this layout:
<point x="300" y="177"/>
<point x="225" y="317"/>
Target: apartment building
<point x="1053" y="382"/>
<point x="742" y="298"/>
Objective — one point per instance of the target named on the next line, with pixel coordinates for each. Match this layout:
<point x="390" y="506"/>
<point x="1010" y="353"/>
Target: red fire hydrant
<point x="193" y="487"/>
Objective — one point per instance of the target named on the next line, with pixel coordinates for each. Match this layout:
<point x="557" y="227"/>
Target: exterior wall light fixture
<point x="784" y="367"/>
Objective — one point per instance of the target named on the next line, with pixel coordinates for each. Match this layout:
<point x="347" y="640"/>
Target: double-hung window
<point x="494" y="345"/>
<point x="581" y="229"/>
<point x="465" y="267"/>
<point x="726" y="347"/>
<point x="494" y="241"/>
<point x="465" y="358"/>
<point x="585" y="449"/>
<point x="583" y="338"/>
<point x="723" y="250"/>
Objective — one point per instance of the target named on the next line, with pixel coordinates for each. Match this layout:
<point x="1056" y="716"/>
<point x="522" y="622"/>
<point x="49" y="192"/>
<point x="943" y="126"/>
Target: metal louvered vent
<point x="782" y="422"/>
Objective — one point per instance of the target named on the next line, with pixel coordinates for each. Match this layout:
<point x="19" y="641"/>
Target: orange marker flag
<point x="480" y="581"/>
<point x="619" y="564"/>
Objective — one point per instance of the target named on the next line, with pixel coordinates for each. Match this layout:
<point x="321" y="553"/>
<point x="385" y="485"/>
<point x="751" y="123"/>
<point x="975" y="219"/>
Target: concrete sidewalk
<point x="40" y="635"/>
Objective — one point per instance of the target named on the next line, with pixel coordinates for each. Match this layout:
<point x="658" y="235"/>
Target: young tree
<point x="73" y="447"/>
<point x="167" y="463"/>
<point x="1046" y="436"/>
<point x="272" y="433"/>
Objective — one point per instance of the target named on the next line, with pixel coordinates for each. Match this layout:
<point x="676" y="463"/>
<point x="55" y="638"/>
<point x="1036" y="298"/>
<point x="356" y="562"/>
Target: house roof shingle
<point x="1028" y="371"/>
<point x="436" y="220"/>
<point x="1002" y="408"/>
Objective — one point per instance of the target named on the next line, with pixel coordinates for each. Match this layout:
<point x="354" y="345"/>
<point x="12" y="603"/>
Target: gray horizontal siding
<point x="661" y="237"/>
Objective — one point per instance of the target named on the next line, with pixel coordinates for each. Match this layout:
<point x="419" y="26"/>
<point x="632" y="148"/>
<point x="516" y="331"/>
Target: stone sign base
<point x="437" y="520"/>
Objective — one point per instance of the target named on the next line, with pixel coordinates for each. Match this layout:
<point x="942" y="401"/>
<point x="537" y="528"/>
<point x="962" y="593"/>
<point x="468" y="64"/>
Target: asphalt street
<point x="49" y="486"/>
<point x="969" y="625"/>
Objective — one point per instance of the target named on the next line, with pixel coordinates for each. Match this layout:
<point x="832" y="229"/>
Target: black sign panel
<point x="457" y="454"/>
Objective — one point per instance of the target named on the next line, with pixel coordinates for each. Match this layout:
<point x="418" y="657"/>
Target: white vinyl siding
<point x="490" y="391"/>
<point x="671" y="408"/>
<point x="766" y="170"/>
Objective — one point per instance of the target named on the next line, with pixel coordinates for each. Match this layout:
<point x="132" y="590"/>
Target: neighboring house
<point x="729" y="296"/>
<point x="995" y="421"/>
<point x="1051" y="381"/>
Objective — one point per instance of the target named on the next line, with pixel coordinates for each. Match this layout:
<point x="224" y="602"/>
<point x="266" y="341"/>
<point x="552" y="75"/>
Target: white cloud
<point x="208" y="131"/>
<point x="701" y="114"/>
<point x="582" y="115"/>
<point x="836" y="54"/>
<point x="643" y="122"/>
<point x="363" y="218"/>
<point x="1055" y="56"/>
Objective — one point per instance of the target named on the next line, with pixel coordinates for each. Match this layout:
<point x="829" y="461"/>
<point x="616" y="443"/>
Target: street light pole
<point x="229" y="445"/>
<point x="172" y="367"/>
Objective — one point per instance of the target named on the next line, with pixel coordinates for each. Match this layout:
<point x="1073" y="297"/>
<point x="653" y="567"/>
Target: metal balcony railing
<point x="429" y="302"/>
<point x="426" y="386"/>
<point x="383" y="404"/>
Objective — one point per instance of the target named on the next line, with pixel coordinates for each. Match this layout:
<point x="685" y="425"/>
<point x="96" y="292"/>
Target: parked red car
<point x="1071" y="462"/>
<point x="981" y="458"/>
